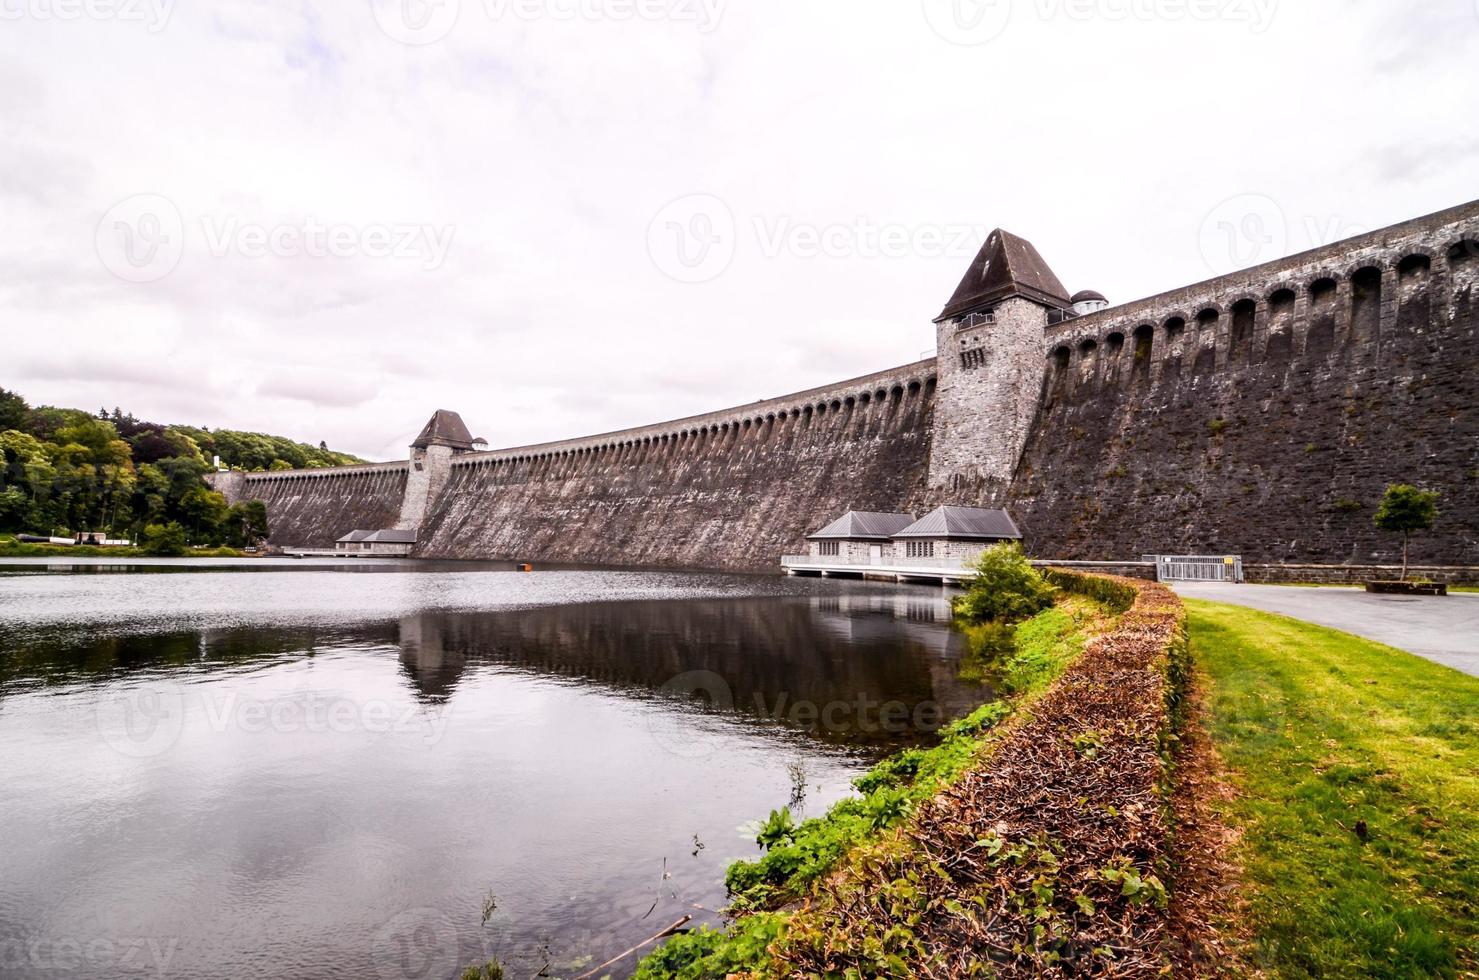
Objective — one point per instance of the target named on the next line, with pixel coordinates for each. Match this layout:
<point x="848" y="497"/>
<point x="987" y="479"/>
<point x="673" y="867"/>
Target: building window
<point x="919" y="549"/>
<point x="829" y="548"/>
<point x="973" y="358"/>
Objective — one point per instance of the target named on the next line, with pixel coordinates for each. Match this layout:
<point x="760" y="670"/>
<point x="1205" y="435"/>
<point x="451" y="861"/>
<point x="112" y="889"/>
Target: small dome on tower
<point x="1088" y="301"/>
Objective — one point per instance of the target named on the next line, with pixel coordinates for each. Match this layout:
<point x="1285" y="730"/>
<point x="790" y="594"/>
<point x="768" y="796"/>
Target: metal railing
<point x="1199" y="568"/>
<point x="843" y="561"/>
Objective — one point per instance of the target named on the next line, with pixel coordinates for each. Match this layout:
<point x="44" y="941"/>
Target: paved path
<point x="1443" y="629"/>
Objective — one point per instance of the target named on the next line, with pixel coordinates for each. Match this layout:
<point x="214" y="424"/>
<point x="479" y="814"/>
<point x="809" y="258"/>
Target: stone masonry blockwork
<point x="1262" y="413"/>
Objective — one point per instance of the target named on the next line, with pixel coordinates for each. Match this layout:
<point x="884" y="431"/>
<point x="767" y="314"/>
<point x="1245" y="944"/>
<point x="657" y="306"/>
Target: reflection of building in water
<point x="868" y="649"/>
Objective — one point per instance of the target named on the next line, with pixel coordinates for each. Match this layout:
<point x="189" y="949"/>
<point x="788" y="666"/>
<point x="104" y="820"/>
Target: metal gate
<point x="1199" y="568"/>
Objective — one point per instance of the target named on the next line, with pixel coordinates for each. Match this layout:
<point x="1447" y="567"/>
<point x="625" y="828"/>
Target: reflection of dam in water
<point x="770" y="654"/>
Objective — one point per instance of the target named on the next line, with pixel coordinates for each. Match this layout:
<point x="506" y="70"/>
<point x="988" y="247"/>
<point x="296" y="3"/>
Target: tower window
<point x="973" y="358"/>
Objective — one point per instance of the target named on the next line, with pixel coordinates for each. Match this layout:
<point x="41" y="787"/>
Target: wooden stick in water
<point x="651" y="939"/>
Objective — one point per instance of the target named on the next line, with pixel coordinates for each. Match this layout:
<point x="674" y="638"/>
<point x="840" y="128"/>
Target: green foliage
<point x="1322" y="729"/>
<point x="778" y="830"/>
<point x="491" y="970"/>
<point x="706" y="953"/>
<point x="246" y="524"/>
<point x="1405" y="508"/>
<point x="1004" y="588"/>
<point x="13" y="410"/>
<point x="61" y="468"/>
<point x="1117" y="596"/>
<point x="164" y="539"/>
<point x="1216" y="426"/>
<point x="259" y="451"/>
<point x="1138" y="888"/>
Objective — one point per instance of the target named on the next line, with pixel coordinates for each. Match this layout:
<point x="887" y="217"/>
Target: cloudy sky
<point x="558" y="217"/>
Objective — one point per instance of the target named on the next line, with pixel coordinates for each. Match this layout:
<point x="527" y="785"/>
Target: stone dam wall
<point x="314" y="508"/>
<point x="732" y="489"/>
<point x="1264" y="413"/>
<point x="1261" y="413"/>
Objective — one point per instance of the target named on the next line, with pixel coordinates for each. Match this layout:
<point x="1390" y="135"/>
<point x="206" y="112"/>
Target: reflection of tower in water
<point x="432" y="669"/>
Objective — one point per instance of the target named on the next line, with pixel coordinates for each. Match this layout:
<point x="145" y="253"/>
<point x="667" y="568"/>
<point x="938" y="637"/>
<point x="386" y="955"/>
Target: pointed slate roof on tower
<point x="445" y="429"/>
<point x="1007" y="265"/>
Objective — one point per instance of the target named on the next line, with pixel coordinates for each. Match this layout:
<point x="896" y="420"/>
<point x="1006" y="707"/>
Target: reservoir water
<point x="306" y="770"/>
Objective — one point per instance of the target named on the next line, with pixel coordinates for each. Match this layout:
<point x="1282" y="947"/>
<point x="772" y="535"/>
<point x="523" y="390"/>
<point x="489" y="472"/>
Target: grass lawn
<point x="1327" y="735"/>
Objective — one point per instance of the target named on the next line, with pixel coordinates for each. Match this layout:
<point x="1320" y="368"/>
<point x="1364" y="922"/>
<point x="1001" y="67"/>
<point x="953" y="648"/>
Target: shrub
<point x="167" y="539"/>
<point x="1004" y="588"/>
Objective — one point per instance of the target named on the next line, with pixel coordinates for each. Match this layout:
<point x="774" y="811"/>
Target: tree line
<point x="66" y="470"/>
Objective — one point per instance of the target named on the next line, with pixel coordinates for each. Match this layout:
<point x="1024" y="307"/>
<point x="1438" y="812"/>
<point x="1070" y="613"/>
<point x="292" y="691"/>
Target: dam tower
<point x="991" y="367"/>
<point x="444" y="436"/>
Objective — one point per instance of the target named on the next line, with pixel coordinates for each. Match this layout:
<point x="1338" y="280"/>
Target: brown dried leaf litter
<point x="1051" y="859"/>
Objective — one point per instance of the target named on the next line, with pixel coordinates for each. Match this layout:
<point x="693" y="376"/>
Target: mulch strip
<point x="1051" y="859"/>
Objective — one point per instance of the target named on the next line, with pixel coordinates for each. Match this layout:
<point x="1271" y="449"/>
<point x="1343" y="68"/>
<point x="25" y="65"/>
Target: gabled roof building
<point x="955" y="532"/>
<point x="859" y="535"/>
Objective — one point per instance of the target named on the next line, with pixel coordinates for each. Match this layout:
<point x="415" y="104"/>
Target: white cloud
<point x="548" y="146"/>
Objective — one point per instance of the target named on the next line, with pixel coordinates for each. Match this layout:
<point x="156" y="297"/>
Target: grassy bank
<point x="1357" y="770"/>
<point x="797" y="858"/>
<point x="1007" y="848"/>
<point x="11" y="548"/>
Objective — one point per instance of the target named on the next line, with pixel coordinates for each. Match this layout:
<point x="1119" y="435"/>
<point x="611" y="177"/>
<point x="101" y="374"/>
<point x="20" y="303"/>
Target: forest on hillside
<point x="66" y="470"/>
